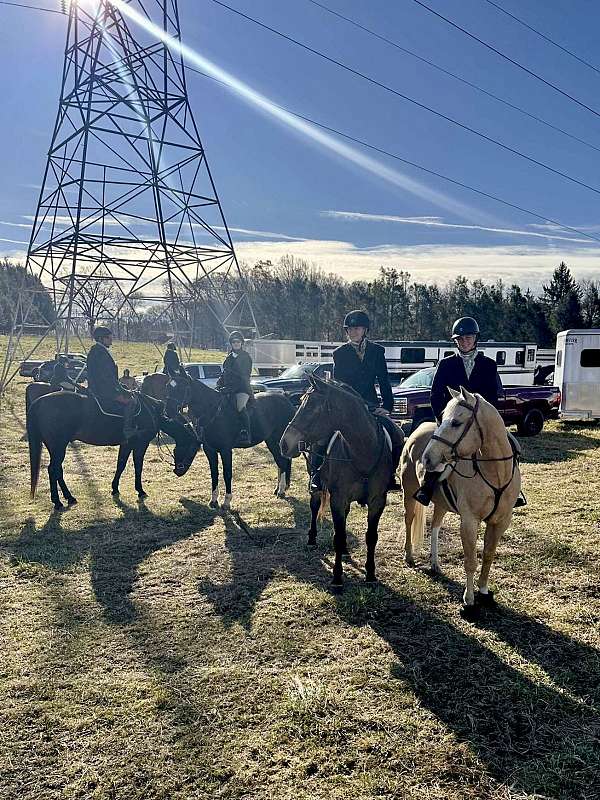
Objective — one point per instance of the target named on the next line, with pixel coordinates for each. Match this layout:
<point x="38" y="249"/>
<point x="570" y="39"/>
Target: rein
<point x="475" y="461"/>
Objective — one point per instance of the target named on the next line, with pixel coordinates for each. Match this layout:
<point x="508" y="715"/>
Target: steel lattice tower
<point x="127" y="192"/>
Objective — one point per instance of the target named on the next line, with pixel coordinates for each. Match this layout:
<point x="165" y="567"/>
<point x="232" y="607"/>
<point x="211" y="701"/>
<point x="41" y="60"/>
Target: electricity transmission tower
<point x="127" y="195"/>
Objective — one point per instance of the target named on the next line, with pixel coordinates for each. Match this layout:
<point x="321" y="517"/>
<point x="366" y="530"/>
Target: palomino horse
<point x="480" y="482"/>
<point x="217" y="424"/>
<point x="62" y="417"/>
<point x="357" y="466"/>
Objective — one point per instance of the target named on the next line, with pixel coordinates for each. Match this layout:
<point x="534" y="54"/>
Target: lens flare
<point x="262" y="103"/>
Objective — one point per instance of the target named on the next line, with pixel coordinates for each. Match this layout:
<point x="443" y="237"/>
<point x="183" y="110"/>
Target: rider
<point x="235" y="378"/>
<point x="360" y="364"/>
<point x="103" y="381"/>
<point x="468" y="368"/>
<point x="60" y="377"/>
<point x="171" y="361"/>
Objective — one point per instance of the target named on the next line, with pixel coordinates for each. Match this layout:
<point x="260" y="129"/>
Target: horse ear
<point x="470" y="398"/>
<point x="453" y="393"/>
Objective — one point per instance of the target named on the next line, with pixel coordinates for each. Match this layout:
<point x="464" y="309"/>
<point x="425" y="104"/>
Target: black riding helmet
<point x="465" y="326"/>
<point x="171" y="346"/>
<point x="236" y="336"/>
<point x="101" y="332"/>
<point x="357" y="319"/>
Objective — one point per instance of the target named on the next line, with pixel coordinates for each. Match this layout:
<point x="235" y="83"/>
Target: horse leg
<point x="124" y="451"/>
<point x="71" y="500"/>
<point x="374" y="515"/>
<point x="213" y="463"/>
<point x="139" y="453"/>
<point x="492" y="535"/>
<point x="468" y="533"/>
<point x="436" y="523"/>
<point x="282" y="466"/>
<point x="339" y="514"/>
<point x="227" y="462"/>
<point x="315" y="505"/>
<point x="57" y="456"/>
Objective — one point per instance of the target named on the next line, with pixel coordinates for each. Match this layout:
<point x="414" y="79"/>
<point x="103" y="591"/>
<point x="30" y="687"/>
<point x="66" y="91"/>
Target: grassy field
<point x="169" y="651"/>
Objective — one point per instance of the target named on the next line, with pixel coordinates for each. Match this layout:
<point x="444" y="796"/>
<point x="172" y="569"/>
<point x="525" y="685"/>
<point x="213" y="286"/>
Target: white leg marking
<point x="469" y="595"/>
<point x="227" y="500"/>
<point x="435" y="560"/>
<point x="215" y="496"/>
<point x="282" y="484"/>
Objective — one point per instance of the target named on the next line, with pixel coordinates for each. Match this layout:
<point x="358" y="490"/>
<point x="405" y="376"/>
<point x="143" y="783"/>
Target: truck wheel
<point x="419" y="418"/>
<point x="532" y="423"/>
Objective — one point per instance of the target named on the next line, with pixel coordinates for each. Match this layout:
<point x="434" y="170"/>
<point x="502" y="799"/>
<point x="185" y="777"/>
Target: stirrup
<point x="422" y="497"/>
<point x="521" y="501"/>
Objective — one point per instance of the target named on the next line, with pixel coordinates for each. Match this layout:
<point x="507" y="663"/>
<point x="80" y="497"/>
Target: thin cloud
<point x="437" y="222"/>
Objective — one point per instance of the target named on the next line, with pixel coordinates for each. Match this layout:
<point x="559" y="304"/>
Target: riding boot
<point x="244" y="435"/>
<point x="129" y="429"/>
<point x="425" y="492"/>
<point x="393" y="485"/>
<point x="520" y="501"/>
<point x="316" y="462"/>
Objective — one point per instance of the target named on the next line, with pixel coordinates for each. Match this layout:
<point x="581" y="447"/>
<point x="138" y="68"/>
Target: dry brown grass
<point x="168" y="651"/>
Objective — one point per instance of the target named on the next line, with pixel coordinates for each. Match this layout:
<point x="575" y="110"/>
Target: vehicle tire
<point x="419" y="418"/>
<point x="532" y="423"/>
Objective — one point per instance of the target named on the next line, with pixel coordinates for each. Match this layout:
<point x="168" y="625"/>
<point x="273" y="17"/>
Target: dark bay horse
<point x="57" y="418"/>
<point x="357" y="467"/>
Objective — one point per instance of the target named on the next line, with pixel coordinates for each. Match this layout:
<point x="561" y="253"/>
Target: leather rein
<point x="475" y="461"/>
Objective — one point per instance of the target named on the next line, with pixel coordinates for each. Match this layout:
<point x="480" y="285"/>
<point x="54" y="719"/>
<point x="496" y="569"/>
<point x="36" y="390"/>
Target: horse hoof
<point x="58" y="507"/>
<point x="409" y="561"/>
<point x="115" y="492"/>
<point x="371" y="580"/>
<point x="312" y="541"/>
<point x="213" y="504"/>
<point x="469" y="613"/>
<point x="71" y="501"/>
<point x="485" y="600"/>
<point x="280" y="495"/>
<point x="142" y="496"/>
<point x="435" y="570"/>
<point x="337" y="587"/>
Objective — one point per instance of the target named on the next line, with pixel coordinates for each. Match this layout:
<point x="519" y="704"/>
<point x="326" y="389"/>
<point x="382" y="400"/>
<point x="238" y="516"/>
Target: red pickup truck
<point x="527" y="407"/>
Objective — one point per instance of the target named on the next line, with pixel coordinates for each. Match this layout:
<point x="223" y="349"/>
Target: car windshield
<point x="420" y="380"/>
<point x="298" y="371"/>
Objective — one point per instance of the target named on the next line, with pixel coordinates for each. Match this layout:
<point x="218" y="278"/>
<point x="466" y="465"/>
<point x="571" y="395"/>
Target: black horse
<point x="61" y="417"/>
<point x="357" y="466"/>
<point x="218" y="426"/>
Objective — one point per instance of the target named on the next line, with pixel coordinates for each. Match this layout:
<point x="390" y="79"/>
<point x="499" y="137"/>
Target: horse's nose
<point x="427" y="461"/>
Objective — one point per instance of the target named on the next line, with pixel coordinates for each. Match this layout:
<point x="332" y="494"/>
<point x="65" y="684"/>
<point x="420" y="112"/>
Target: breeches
<point x="241" y="399"/>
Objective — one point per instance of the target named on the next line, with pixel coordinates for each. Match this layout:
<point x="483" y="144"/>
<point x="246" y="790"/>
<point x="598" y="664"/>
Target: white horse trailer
<point x="271" y="356"/>
<point x="516" y="360"/>
<point x="577" y="373"/>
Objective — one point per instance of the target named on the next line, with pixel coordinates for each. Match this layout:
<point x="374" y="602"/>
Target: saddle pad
<point x="388" y="439"/>
<point x="102" y="411"/>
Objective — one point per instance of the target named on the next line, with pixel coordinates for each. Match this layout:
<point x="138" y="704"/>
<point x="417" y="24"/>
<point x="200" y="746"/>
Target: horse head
<point x="312" y="422"/>
<point x="459" y="435"/>
<point x="187" y="444"/>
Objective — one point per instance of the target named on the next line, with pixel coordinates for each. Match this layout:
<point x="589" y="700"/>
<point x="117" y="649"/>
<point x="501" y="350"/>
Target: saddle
<point x="107" y="413"/>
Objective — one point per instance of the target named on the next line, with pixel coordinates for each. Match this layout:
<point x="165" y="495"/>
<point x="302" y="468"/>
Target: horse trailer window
<point x="212" y="371"/>
<point x="501" y="357"/>
<point x="531" y="355"/>
<point x="558" y="358"/>
<point x="412" y="355"/>
<point x="520" y="358"/>
<point x="590" y="357"/>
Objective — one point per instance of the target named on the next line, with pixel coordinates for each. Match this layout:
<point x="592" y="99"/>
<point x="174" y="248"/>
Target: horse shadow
<point x="531" y="736"/>
<point x="551" y="446"/>
<point x="115" y="549"/>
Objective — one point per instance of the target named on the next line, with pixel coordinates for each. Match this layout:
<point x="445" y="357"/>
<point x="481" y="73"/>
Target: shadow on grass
<point x="557" y="445"/>
<point x="526" y="734"/>
<point x="115" y="548"/>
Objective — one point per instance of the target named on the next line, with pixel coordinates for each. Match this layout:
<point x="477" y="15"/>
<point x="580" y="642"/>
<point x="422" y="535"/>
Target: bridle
<point x="475" y="461"/>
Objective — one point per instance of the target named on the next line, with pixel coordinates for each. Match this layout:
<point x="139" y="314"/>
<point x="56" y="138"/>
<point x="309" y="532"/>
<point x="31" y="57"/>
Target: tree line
<point x="293" y="299"/>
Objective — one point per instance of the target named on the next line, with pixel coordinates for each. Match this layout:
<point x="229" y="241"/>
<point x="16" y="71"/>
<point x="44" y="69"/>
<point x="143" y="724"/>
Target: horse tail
<point x="417" y="528"/>
<point x="35" y="447"/>
<point x="324" y="505"/>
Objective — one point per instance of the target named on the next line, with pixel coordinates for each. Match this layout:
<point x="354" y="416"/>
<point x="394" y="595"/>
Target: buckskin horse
<point x="357" y="465"/>
<point x="218" y="426"/>
<point x="58" y="418"/>
<point x="480" y="481"/>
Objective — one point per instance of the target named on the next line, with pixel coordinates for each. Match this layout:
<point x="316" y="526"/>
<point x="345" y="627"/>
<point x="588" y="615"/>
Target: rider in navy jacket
<point x="103" y="381"/>
<point x="451" y="374"/>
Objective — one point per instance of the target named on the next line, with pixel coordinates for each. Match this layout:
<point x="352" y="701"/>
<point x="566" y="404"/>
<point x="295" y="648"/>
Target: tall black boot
<point x="245" y="434"/>
<point x="425" y="492"/>
<point x="317" y="458"/>
<point x="129" y="429"/>
<point x="393" y="485"/>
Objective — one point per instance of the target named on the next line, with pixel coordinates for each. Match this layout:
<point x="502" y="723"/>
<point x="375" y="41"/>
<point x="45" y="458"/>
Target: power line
<point x="412" y="100"/>
<point x="507" y="58"/>
<point x="544" y="37"/>
<point x="389" y="154"/>
<point x="453" y="74"/>
<point x="33" y="8"/>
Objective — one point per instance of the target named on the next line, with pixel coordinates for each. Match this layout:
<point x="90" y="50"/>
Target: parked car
<point x="28" y="368"/>
<point x="527" y="407"/>
<point x="293" y="382"/>
<point x="207" y="372"/>
<point x="75" y="366"/>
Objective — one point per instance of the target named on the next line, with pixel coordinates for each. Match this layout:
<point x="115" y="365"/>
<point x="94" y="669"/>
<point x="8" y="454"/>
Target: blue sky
<point x="319" y="205"/>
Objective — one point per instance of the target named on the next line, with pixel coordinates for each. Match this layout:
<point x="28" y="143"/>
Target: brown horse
<point x="480" y="482"/>
<point x="357" y="467"/>
<point x="58" y="418"/>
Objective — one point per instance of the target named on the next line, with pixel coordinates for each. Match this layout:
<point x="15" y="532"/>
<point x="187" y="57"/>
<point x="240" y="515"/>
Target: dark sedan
<point x="293" y="382"/>
<point x="76" y="370"/>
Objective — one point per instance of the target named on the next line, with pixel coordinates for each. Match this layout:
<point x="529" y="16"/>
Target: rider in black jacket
<point x="171" y="362"/>
<point x="235" y="379"/>
<point x="103" y="381"/>
<point x="361" y="364"/>
<point x="468" y="368"/>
